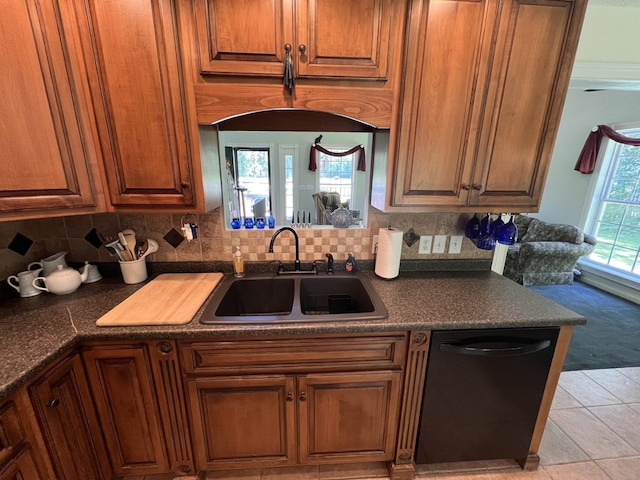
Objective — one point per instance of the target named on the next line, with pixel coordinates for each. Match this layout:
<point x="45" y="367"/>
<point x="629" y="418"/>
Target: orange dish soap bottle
<point x="351" y="266"/>
<point x="238" y="263"/>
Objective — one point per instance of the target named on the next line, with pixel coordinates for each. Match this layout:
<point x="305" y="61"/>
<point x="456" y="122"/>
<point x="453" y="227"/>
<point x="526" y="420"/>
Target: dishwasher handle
<point x="499" y="346"/>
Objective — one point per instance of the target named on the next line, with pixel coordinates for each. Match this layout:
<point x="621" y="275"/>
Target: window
<point x="335" y="174"/>
<point x="614" y="215"/>
<point x="252" y="186"/>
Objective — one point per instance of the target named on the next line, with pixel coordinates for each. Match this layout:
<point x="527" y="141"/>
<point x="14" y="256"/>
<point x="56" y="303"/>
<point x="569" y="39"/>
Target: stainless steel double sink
<point x="293" y="298"/>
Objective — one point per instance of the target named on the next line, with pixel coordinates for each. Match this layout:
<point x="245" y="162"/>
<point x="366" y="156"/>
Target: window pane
<point x="629" y="237"/>
<point x="607" y="232"/>
<point x="335" y="175"/>
<point x="601" y="253"/>
<point x="621" y="189"/>
<point x="623" y="258"/>
<point x="253" y="181"/>
<point x="613" y="212"/>
<point x="632" y="216"/>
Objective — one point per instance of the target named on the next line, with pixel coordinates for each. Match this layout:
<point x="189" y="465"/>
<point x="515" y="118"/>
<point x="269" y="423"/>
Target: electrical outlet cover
<point x="425" y="244"/>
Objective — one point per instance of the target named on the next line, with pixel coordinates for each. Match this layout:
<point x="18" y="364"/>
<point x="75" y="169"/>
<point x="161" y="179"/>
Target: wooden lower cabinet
<point x="140" y="403"/>
<point x="22" y="467"/>
<point x="22" y="449"/>
<point x="348" y="417"/>
<point x="255" y="421"/>
<point x="246" y="420"/>
<point x="64" y="408"/>
<point x="258" y="403"/>
<point x="120" y="377"/>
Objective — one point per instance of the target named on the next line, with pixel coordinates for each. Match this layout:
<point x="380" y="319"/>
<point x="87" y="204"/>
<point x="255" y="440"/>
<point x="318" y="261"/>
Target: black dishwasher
<point x="482" y="393"/>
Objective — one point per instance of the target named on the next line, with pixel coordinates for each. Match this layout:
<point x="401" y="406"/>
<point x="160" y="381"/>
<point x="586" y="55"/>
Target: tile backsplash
<point x="215" y="243"/>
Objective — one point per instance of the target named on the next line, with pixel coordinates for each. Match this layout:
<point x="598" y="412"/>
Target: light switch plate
<point x="439" y="242"/>
<point x="455" y="244"/>
<point x="425" y="244"/>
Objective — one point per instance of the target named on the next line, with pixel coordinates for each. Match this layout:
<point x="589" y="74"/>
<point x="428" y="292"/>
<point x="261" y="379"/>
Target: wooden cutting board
<point x="168" y="299"/>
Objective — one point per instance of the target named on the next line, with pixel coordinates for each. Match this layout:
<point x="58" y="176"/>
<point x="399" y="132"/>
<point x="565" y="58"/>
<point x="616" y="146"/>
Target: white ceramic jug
<point x="50" y="264"/>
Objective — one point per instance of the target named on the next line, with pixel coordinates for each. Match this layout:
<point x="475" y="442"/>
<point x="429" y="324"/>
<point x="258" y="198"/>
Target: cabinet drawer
<point x="11" y="431"/>
<point x="294" y="354"/>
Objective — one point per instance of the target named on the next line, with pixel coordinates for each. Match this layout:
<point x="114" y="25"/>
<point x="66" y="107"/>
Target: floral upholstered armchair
<point x="546" y="253"/>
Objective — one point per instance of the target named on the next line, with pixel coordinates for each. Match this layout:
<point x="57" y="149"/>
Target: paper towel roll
<point x="389" y="251"/>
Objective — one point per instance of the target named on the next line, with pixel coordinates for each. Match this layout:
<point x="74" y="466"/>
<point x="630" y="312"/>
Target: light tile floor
<point x="593" y="433"/>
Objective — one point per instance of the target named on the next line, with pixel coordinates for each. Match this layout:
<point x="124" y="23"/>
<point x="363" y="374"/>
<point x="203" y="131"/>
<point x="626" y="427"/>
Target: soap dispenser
<point x="238" y="263"/>
<point x="350" y="265"/>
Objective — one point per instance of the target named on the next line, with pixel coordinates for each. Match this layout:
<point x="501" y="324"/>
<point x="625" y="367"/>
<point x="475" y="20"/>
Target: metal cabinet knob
<point x="303" y="397"/>
<point x="289" y="397"/>
<point x="53" y="403"/>
<point x="302" y="48"/>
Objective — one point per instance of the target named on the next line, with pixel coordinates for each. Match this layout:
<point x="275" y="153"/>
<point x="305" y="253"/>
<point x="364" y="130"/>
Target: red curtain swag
<point x="313" y="165"/>
<point x="587" y="160"/>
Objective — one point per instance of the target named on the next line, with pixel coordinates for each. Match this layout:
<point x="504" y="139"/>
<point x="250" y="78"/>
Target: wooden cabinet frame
<point x="337" y="396"/>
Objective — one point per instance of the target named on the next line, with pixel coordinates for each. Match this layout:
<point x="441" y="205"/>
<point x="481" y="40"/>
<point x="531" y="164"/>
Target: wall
<point x="607" y="50"/>
<point x="216" y="243"/>
<point x="565" y="191"/>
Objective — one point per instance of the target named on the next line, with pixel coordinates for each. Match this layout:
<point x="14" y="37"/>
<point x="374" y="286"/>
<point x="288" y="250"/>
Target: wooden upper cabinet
<point x="243" y="37"/>
<point x="46" y="153"/>
<point x="343" y="39"/>
<point x="483" y="92"/>
<point x="328" y="38"/>
<point x="528" y="86"/>
<point x="140" y="102"/>
<point x="442" y="99"/>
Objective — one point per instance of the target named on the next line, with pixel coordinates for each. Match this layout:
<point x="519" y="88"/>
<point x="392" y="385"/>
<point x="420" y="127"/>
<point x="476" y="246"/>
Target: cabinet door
<point x="21" y="468"/>
<point x="140" y="102"/>
<point x="243" y="421"/>
<point x="64" y="407"/>
<point x="443" y="94"/>
<point x="125" y="397"/>
<point x="530" y="78"/>
<point x="45" y="152"/>
<point x="243" y="37"/>
<point x="343" y="39"/>
<point x="348" y="417"/>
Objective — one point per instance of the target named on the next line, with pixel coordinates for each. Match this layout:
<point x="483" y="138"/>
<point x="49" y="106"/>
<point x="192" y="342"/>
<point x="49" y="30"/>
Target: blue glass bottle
<point x="236" y="223"/>
<point x="271" y="221"/>
<point x="248" y="222"/>
<point x="260" y="222"/>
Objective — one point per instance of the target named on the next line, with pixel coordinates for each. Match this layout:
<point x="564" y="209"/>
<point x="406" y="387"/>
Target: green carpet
<point x="611" y="337"/>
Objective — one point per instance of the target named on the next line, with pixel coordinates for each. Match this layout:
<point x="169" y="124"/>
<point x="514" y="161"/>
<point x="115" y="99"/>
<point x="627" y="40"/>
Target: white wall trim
<point x="609" y="282"/>
<point x="587" y="73"/>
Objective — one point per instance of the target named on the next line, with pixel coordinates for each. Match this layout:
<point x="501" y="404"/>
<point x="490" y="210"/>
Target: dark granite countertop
<point x="34" y="331"/>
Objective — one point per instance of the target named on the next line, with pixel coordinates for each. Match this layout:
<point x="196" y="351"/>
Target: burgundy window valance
<point x="313" y="164"/>
<point x="587" y="160"/>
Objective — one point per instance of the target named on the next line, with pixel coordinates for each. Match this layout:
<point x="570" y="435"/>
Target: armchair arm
<point x="550" y="256"/>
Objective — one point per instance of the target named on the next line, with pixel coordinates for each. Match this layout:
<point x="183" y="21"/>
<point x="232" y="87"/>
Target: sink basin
<point x="294" y="298"/>
<point x="318" y="296"/>
<point x="260" y="296"/>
